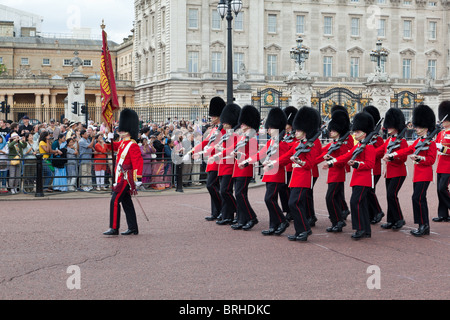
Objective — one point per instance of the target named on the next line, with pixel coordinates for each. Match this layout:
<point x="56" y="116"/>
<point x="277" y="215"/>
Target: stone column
<point x="76" y="84"/>
<point x="301" y="91"/>
<point x="380" y="95"/>
<point x="431" y="97"/>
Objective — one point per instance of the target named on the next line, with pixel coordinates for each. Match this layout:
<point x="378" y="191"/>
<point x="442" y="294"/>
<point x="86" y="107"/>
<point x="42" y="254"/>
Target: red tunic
<point x="443" y="165"/>
<point x="335" y="173"/>
<point x="133" y="161"/>
<point x="213" y="166"/>
<point x="397" y="166"/>
<point x="377" y="168"/>
<point x="423" y="171"/>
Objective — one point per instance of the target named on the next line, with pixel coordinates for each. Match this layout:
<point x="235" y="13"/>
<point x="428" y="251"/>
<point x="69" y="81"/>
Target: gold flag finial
<point x="103" y="24"/>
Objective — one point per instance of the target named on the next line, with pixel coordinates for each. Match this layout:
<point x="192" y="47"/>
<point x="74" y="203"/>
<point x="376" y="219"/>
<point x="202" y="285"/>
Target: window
<point x="193" y="19"/>
<point x="382" y="27"/>
<point x="272" y="23"/>
<point x="87" y="63"/>
<point x="24" y="61"/>
<point x="66" y="62"/>
<point x="300" y="25"/>
<point x="432" y="69"/>
<point x="239" y="22"/>
<point x="216" y="20"/>
<point x="407" y="2"/>
<point x="238" y="60"/>
<point x="354" y="67"/>
<point x="328" y="26"/>
<point x="1" y="60"/>
<point x="327" y="66"/>
<point x="432" y="29"/>
<point x="216" y="65"/>
<point x="381" y="1"/>
<point x="355" y="27"/>
<point x="46" y="61"/>
<point x="193" y="61"/>
<point x="406" y="68"/>
<point x="271" y="65"/>
<point x="407" y="29"/>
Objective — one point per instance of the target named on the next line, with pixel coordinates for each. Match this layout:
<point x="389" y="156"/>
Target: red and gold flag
<point x="110" y="102"/>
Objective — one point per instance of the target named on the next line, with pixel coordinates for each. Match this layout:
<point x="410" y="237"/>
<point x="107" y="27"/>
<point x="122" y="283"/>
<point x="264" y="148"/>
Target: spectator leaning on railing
<point x="16" y="145"/>
<point x="3" y="164"/>
<point x="86" y="147"/>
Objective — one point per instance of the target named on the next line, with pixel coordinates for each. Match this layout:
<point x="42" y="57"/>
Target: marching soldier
<point x="423" y="153"/>
<point x="229" y="119"/>
<point x="443" y="166"/>
<point x="376" y="213"/>
<point x="395" y="173"/>
<point x="128" y="169"/>
<point x="303" y="154"/>
<point x="246" y="144"/>
<point x="274" y="178"/>
<point x="216" y="106"/>
<point x="362" y="159"/>
<point x="339" y="130"/>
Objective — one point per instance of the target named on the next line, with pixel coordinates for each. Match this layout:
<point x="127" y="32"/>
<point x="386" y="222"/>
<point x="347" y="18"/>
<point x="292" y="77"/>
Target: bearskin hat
<point x="230" y="114"/>
<point x="337" y="107"/>
<point x="394" y="118"/>
<point x="290" y="113"/>
<point x="424" y="117"/>
<point x="340" y="122"/>
<point x="276" y="119"/>
<point x="363" y="121"/>
<point x="216" y="106"/>
<point x="307" y="120"/>
<point x="444" y="110"/>
<point x="373" y="111"/>
<point x="250" y="116"/>
<point x="129" y="122"/>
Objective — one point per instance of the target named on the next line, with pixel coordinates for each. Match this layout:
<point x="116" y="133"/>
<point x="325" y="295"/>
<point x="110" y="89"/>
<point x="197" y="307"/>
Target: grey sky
<point x="61" y="16"/>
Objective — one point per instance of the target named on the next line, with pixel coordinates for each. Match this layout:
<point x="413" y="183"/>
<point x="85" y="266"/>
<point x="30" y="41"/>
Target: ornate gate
<point x="354" y="102"/>
<point x="406" y="101"/>
<point x="269" y="98"/>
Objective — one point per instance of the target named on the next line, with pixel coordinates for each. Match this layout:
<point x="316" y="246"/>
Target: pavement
<point x="55" y="250"/>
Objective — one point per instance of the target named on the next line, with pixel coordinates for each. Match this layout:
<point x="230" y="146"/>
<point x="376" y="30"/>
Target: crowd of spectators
<point x="77" y="157"/>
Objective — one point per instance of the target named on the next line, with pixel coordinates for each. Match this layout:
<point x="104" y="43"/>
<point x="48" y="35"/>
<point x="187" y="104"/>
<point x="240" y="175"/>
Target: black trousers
<point x="334" y="200"/>
<point x="276" y="216"/>
<point x="213" y="186"/>
<point x="122" y="197"/>
<point x="284" y="193"/>
<point x="310" y="200"/>
<point x="394" y="211"/>
<point x="419" y="202"/>
<point x="443" y="180"/>
<point x="298" y="206"/>
<point x="359" y="209"/>
<point x="245" y="212"/>
<point x="374" y="205"/>
<point x="228" y="200"/>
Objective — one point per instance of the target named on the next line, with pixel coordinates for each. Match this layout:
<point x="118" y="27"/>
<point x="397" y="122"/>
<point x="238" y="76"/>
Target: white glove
<point x="439" y="146"/>
<point x="110" y="136"/>
<point x="187" y="158"/>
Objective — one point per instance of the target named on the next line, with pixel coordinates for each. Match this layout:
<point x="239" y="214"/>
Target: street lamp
<point x="379" y="55"/>
<point x="300" y="53"/>
<point x="225" y="9"/>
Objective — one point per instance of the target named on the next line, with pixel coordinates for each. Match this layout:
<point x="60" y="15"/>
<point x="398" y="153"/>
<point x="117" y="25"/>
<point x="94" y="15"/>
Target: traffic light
<point x="3" y="109"/>
<point x="7" y="108"/>
<point x="83" y="109"/>
<point x="75" y="107"/>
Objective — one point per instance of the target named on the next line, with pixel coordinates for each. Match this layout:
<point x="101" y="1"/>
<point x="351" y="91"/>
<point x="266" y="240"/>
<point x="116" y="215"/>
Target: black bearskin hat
<point x="394" y="118"/>
<point x="276" y="119"/>
<point x="307" y="120"/>
<point x="444" y="110"/>
<point x="373" y="111"/>
<point x="337" y="107"/>
<point x="363" y="121"/>
<point x="216" y="106"/>
<point x="129" y="122"/>
<point x="230" y="114"/>
<point x="290" y="113"/>
<point x="250" y="116"/>
<point x="340" y="122"/>
<point x="424" y="117"/>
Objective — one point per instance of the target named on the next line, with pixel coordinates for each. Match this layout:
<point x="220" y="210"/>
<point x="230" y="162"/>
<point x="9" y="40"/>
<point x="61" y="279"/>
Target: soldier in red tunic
<point x="128" y="169"/>
<point x="423" y="153"/>
<point x="362" y="177"/>
<point x="443" y="167"/>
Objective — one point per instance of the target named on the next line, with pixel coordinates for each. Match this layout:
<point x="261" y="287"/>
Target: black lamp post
<point x="226" y="8"/>
<point x="379" y="55"/>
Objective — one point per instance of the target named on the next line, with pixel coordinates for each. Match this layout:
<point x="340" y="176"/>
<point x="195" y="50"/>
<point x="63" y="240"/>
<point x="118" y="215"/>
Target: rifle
<point x="367" y="140"/>
<point x="396" y="143"/>
<point x="288" y="137"/>
<point x="306" y="147"/>
<point x="214" y="136"/>
<point x="338" y="144"/>
<point x="240" y="145"/>
<point x="424" y="145"/>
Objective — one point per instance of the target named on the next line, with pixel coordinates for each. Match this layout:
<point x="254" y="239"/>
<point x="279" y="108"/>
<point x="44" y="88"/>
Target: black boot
<point x="111" y="232"/>
<point x="423" y="229"/>
<point x="130" y="231"/>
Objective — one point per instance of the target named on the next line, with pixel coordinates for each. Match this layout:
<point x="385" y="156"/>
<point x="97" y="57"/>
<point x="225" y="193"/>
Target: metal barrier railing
<point x="39" y="176"/>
